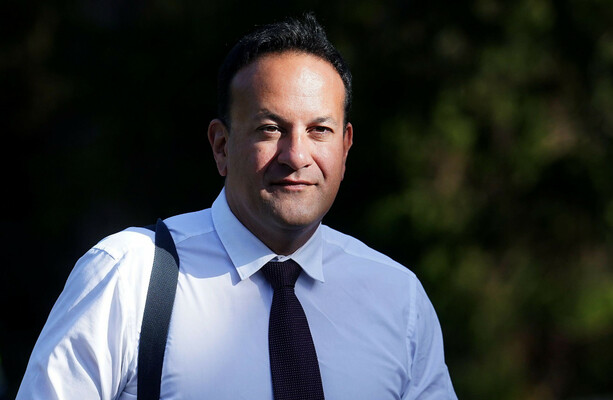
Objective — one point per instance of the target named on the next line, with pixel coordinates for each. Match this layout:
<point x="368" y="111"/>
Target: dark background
<point x="482" y="161"/>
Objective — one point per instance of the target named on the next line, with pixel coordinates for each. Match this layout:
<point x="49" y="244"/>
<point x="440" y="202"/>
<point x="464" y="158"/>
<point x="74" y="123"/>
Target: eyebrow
<point x="265" y="113"/>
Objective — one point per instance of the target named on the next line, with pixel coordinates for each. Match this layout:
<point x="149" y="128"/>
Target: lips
<point x="291" y="182"/>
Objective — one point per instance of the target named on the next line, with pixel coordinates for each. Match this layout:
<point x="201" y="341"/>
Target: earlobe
<point x="348" y="138"/>
<point x="218" y="138"/>
<point x="347" y="143"/>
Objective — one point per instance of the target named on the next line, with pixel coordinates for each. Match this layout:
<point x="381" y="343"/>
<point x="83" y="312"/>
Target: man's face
<point x="284" y="157"/>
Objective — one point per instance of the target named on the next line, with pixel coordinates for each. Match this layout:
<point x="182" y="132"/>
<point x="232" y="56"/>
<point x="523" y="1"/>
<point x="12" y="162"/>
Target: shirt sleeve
<point x="86" y="348"/>
<point x="428" y="375"/>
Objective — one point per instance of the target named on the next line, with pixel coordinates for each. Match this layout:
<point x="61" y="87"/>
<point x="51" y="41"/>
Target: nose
<point x="294" y="151"/>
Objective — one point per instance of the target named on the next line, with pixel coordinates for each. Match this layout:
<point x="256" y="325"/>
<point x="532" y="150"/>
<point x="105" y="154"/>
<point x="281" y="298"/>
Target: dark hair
<point x="305" y="35"/>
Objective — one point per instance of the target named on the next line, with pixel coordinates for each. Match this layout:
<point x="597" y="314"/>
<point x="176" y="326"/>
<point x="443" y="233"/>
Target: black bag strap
<point x="156" y="317"/>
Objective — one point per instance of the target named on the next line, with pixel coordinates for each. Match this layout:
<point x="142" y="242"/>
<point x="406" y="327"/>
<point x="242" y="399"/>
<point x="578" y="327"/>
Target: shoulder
<point x="342" y="245"/>
<point x="189" y="225"/>
<point x="129" y="240"/>
<point x="124" y="256"/>
<point x="137" y="239"/>
<point x="132" y="248"/>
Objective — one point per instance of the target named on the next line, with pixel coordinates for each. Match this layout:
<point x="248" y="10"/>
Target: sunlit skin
<point x="284" y="155"/>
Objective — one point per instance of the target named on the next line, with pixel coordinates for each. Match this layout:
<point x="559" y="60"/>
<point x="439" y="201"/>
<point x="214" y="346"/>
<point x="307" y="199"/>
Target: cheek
<point x="260" y="157"/>
<point x="242" y="162"/>
<point x="331" y="162"/>
<point x="249" y="161"/>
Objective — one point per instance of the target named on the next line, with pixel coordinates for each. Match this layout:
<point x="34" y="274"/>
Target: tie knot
<point x="281" y="274"/>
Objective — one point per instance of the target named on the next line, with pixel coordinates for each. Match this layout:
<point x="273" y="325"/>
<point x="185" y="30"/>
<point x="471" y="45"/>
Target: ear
<point x="218" y="138"/>
<point x="347" y="143"/>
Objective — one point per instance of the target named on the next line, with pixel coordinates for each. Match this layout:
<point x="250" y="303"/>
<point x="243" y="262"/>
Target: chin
<point x="297" y="220"/>
<point x="297" y="215"/>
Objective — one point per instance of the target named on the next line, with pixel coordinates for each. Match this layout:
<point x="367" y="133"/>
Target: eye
<point x="269" y="129"/>
<point x="321" y="130"/>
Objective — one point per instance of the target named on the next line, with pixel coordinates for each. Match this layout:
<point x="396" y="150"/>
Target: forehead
<point x="288" y="73"/>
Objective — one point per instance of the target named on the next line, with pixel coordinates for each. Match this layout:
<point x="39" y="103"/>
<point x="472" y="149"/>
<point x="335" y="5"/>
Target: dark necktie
<point x="293" y="361"/>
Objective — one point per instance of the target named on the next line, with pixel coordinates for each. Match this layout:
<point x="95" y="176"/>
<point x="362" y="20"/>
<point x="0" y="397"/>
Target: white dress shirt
<point x="375" y="331"/>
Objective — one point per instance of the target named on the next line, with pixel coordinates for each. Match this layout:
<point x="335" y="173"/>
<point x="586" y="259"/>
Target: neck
<point x="286" y="242"/>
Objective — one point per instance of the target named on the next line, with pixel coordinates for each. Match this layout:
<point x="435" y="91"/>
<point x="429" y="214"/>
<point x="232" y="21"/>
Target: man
<point x="281" y="141"/>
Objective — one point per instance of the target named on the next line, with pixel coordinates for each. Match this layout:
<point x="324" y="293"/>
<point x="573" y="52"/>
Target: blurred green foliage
<point x="482" y="161"/>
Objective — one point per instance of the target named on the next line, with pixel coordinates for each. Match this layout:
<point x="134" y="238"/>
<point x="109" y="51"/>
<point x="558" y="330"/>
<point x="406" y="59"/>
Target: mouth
<point x="291" y="184"/>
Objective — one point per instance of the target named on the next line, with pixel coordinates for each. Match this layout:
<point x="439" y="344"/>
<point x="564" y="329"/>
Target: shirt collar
<point x="249" y="254"/>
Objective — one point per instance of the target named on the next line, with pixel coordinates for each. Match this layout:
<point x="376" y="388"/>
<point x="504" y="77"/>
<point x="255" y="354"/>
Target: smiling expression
<point x="284" y="156"/>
